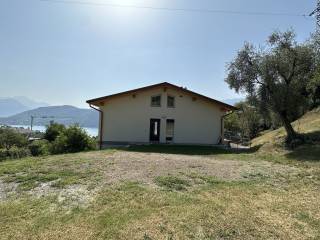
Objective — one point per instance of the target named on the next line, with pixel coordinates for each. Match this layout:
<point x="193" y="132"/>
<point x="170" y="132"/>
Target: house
<point x="160" y="113"/>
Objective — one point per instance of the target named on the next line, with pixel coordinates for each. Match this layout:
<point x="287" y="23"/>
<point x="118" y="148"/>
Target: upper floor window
<point x="156" y="101"/>
<point x="170" y="102"/>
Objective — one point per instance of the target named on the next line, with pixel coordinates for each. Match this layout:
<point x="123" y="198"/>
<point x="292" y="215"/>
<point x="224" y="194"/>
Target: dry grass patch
<point x="228" y="212"/>
<point x="139" y="195"/>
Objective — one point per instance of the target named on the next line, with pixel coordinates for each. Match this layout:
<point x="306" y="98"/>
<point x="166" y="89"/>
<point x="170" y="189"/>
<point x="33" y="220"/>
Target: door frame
<point x="152" y="137"/>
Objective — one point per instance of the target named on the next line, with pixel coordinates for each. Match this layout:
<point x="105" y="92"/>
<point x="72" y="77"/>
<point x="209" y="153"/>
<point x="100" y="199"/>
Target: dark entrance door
<point x="154" y="130"/>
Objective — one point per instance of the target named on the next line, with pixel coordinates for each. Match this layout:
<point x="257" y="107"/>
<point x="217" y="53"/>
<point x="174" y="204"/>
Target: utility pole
<point x="31" y="125"/>
<point x="43" y="117"/>
<point x="316" y="13"/>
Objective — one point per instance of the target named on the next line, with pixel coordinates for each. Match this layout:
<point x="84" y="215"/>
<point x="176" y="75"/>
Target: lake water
<point x="91" y="131"/>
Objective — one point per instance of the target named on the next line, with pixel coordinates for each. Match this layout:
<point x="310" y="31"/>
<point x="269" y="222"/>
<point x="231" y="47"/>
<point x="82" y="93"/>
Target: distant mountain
<point x="10" y="106"/>
<point x="15" y="105"/>
<point x="67" y="115"/>
<point x="233" y="101"/>
<point x="31" y="104"/>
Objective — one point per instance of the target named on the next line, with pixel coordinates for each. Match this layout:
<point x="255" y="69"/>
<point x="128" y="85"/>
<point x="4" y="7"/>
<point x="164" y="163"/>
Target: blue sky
<point x="68" y="53"/>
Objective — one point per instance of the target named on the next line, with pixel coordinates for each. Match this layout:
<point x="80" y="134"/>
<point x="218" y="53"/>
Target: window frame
<point x="174" y="101"/>
<point x="170" y="139"/>
<point x="151" y="102"/>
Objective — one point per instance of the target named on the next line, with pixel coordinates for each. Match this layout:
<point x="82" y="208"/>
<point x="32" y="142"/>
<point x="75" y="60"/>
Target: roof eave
<point x="227" y="106"/>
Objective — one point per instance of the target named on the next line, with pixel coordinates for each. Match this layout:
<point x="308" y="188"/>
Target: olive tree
<point x="275" y="75"/>
<point x="313" y="87"/>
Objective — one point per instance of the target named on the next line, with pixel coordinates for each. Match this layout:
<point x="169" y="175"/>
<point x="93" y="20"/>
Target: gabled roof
<point x="164" y="84"/>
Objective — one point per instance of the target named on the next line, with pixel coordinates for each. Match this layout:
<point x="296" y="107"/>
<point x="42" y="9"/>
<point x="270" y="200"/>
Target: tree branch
<point x="282" y="75"/>
<point x="294" y="64"/>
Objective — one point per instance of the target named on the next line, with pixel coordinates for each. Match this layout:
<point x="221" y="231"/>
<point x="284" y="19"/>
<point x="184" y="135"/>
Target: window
<point x="156" y="101"/>
<point x="170" y="130"/>
<point x="170" y="102"/>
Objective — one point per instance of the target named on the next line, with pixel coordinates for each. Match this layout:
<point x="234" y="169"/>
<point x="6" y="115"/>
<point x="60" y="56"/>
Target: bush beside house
<point x="57" y="139"/>
<point x="68" y="140"/>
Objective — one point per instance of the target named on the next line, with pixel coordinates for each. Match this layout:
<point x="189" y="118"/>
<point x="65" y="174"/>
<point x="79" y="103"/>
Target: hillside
<point x="233" y="101"/>
<point x="309" y="124"/>
<point x="62" y="114"/>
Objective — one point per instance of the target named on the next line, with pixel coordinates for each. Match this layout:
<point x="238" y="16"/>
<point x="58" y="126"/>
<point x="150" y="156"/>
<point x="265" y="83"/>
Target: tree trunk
<point x="291" y="133"/>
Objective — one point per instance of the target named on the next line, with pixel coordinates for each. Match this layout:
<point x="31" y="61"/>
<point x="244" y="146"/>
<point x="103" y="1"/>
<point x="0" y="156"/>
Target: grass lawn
<point x="160" y="192"/>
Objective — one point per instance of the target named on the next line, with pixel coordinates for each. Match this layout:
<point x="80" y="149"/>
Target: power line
<point x="210" y="11"/>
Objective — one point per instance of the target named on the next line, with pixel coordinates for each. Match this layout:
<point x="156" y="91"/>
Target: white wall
<point x="127" y="119"/>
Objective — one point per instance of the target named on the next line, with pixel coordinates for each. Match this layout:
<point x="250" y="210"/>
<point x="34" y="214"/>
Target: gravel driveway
<point x="144" y="167"/>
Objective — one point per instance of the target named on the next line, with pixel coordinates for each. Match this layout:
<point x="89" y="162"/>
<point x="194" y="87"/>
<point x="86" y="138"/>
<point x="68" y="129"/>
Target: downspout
<point x="222" y="125"/>
<point x="100" y="125"/>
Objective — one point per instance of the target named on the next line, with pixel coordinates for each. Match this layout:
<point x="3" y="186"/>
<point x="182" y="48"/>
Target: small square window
<point x="156" y="101"/>
<point x="170" y="102"/>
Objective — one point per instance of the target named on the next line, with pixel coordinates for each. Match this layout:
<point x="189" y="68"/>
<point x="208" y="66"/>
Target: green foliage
<point x="313" y="89"/>
<point x="275" y="76"/>
<point x="247" y="121"/>
<point x="232" y="123"/>
<point x="314" y="43"/>
<point x="39" y="148"/>
<point x="53" y="131"/>
<point x="72" y="139"/>
<point x="250" y="120"/>
<point x="9" y="138"/>
<point x="58" y="139"/>
<point x="12" y="144"/>
<point x="3" y="154"/>
<point x="14" y="153"/>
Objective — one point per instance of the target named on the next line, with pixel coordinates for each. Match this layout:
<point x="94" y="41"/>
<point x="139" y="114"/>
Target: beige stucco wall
<point x="127" y="118"/>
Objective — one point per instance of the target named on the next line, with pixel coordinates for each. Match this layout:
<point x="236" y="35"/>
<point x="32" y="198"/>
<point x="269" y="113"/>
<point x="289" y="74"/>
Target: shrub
<point x="14" y="153"/>
<point x="72" y="139"/>
<point x="59" y="145"/>
<point x="10" y="137"/>
<point x="3" y="154"/>
<point x="39" y="147"/>
<point x="53" y="131"/>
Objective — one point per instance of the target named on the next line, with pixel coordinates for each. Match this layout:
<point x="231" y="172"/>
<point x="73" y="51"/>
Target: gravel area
<point x="144" y="167"/>
<point x="6" y="189"/>
<point x="121" y="166"/>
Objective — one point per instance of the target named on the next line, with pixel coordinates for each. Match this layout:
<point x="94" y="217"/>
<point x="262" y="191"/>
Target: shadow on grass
<point x="307" y="152"/>
<point x="312" y="136"/>
<point x="310" y="151"/>
<point x="187" y="150"/>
